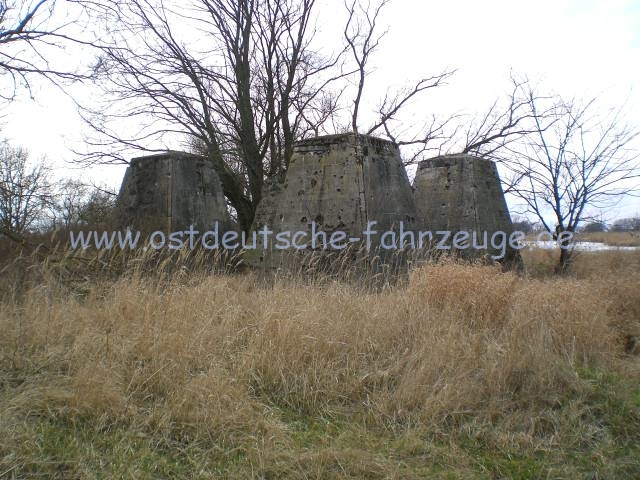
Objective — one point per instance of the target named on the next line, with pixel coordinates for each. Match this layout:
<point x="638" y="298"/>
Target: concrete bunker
<point x="334" y="183"/>
<point x="340" y="183"/>
<point x="169" y="192"/>
<point x="463" y="193"/>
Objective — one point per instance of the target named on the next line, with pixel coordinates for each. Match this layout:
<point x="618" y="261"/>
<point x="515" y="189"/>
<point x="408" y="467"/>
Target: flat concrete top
<point x="168" y="154"/>
<point x="344" y="138"/>
<point x="450" y="159"/>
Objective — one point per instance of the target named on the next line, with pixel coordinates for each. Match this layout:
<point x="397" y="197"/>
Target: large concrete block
<point x="340" y="182"/>
<point x="462" y="192"/>
<point x="171" y="191"/>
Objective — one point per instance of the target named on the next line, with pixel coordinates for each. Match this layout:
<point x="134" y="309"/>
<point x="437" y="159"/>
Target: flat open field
<point x="461" y="372"/>
<point x="616" y="239"/>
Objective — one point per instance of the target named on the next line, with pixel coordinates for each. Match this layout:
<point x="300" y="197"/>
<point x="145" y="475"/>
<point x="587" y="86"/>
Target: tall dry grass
<point x="180" y="352"/>
<point x="218" y="358"/>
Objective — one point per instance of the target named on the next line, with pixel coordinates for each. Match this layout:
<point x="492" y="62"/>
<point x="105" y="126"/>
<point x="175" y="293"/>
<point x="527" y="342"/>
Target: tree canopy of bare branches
<point x="78" y="204"/>
<point x="362" y="40"/>
<point x="242" y="93"/>
<point x="577" y="156"/>
<point x="25" y="191"/>
<point x="239" y="78"/>
<point x="33" y="34"/>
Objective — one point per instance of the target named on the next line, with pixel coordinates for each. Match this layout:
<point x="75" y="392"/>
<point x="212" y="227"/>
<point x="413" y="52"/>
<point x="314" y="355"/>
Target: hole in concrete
<point x="319" y="218"/>
<point x="300" y="192"/>
<point x="303" y="219"/>
<point x="314" y="182"/>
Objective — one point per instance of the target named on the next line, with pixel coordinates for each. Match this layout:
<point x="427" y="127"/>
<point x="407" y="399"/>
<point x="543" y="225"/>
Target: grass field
<point x="616" y="239"/>
<point x="461" y="372"/>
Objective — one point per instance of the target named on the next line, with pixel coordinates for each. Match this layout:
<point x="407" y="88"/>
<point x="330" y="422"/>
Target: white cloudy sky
<point x="581" y="48"/>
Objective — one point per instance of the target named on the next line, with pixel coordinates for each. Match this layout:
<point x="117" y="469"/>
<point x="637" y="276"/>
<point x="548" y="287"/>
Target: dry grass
<point x="608" y="264"/>
<point x="464" y="372"/>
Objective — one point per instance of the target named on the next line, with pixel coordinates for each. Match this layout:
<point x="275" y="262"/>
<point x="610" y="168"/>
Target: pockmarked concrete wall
<point x="335" y="183"/>
<point x="463" y="192"/>
<point x="340" y="182"/>
<point x="170" y="192"/>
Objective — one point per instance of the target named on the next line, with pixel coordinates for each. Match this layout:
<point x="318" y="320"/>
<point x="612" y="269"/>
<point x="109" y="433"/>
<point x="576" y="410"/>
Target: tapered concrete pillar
<point x="458" y="193"/>
<point x="171" y="191"/>
<point x="340" y="183"/>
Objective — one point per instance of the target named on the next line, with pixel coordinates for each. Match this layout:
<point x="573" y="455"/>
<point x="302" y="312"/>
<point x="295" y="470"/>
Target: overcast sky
<point x="582" y="48"/>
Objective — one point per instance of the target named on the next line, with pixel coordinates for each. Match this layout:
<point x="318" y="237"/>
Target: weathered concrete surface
<point x="462" y="192"/>
<point x="169" y="192"/>
<point x="340" y="182"/>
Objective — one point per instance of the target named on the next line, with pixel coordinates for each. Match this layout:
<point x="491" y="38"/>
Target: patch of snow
<point x="583" y="246"/>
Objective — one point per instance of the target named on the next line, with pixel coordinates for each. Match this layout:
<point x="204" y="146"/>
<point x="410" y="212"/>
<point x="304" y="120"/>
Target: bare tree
<point x="242" y="86"/>
<point x="67" y="210"/>
<point x="577" y="156"/>
<point x="98" y="209"/>
<point x="362" y="39"/>
<point x="631" y="224"/>
<point x="79" y="204"/>
<point x="488" y="134"/>
<point x="25" y="191"/>
<point x="506" y="121"/>
<point x="242" y="92"/>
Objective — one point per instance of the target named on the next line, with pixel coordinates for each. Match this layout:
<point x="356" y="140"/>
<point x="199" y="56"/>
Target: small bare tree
<point x="80" y="204"/>
<point x="71" y="197"/>
<point x="577" y="156"/>
<point x="25" y="191"/>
